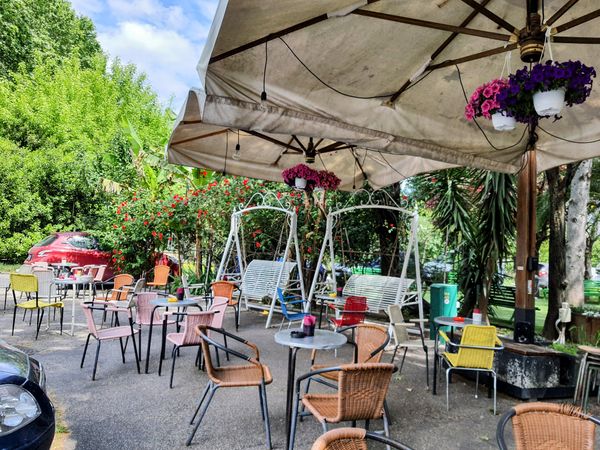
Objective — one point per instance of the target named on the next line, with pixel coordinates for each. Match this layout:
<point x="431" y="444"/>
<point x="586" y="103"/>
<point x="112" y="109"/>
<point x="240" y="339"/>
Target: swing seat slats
<point x="260" y="278"/>
<point x="381" y="291"/>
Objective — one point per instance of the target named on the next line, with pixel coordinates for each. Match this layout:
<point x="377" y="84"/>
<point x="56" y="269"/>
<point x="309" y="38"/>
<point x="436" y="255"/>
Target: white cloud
<point x="167" y="57"/>
<point x="163" y="40"/>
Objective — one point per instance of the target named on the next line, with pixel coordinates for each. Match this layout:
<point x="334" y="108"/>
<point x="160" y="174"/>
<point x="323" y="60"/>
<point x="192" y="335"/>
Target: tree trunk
<point x="557" y="192"/>
<point x="576" y="235"/>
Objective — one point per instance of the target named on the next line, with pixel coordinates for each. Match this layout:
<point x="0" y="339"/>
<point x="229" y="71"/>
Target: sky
<point x="163" y="38"/>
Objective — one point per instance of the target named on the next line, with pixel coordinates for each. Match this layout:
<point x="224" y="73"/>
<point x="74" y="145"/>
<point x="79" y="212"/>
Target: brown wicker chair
<point x="548" y="426"/>
<point x="361" y="392"/>
<point x="352" y="439"/>
<point x="254" y="374"/>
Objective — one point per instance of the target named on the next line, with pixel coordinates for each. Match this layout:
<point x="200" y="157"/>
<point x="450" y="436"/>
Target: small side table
<point x="322" y="340"/>
<point x="82" y="281"/>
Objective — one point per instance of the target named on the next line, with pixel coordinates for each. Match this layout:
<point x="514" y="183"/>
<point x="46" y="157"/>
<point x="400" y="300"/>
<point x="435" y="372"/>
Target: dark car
<point x="26" y="413"/>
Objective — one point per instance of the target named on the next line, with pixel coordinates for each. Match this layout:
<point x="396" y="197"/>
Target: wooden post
<point x="526" y="259"/>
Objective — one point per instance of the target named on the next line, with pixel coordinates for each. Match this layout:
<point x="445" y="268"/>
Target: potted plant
<point x="301" y="176"/>
<point x="547" y="87"/>
<point x="484" y="102"/>
<point x="328" y="180"/>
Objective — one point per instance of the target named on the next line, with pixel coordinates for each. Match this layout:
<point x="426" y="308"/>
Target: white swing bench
<point x="381" y="291"/>
<point x="260" y="280"/>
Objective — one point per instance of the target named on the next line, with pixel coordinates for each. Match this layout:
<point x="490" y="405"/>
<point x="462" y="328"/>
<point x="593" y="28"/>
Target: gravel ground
<point x="122" y="409"/>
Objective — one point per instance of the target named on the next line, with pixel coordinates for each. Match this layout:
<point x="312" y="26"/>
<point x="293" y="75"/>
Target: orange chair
<point x="161" y="277"/>
<point x="225" y="289"/>
<point x="122" y="284"/>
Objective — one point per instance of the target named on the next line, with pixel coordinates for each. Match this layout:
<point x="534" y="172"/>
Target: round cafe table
<point x="163" y="302"/>
<point x="322" y="340"/>
<point x="74" y="282"/>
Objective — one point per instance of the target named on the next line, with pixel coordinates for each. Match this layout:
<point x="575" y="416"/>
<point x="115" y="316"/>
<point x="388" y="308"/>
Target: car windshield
<point x="86" y="242"/>
<point x="47" y="241"/>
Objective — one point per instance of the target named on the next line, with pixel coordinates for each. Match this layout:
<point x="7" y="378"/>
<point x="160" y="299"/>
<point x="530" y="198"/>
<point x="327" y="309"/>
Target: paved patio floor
<point x="124" y="410"/>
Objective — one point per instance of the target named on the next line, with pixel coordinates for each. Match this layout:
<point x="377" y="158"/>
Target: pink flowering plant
<point x="328" y="180"/>
<point x="484" y="101"/>
<point x="301" y="171"/>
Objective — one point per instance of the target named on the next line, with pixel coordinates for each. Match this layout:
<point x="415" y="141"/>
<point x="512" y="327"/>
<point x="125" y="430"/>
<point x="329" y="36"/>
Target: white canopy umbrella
<point x="380" y="87"/>
<point x="382" y="75"/>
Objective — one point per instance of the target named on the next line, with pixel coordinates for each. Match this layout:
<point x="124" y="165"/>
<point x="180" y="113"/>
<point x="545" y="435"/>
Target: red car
<point x="75" y="247"/>
<point x="82" y="249"/>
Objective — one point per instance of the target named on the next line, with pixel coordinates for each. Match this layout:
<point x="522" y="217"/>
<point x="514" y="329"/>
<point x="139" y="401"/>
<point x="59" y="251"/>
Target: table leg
<point x="149" y="339"/>
<point x="290" y="394"/>
<point x="435" y="359"/>
<point x="162" y="344"/>
<point x="73" y="311"/>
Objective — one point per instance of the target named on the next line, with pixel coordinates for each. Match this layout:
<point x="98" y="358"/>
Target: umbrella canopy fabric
<point x="378" y="85"/>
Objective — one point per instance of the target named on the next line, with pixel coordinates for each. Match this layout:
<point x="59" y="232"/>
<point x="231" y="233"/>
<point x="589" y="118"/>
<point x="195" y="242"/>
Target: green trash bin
<point x="442" y="302"/>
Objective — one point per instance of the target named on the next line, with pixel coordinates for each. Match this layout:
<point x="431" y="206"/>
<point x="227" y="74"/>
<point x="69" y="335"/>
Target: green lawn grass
<point x="9" y="267"/>
<point x="505" y="314"/>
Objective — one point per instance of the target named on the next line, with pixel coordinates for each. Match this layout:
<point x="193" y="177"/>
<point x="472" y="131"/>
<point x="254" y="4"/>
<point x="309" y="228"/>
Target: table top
<point x="81" y="280"/>
<point x="322" y="340"/>
<point x="163" y="301"/>
<point x="449" y="321"/>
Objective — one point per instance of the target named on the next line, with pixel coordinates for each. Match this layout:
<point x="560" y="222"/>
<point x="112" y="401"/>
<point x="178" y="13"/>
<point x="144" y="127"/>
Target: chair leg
<point x="39" y="321"/>
<point x="494" y="376"/>
<point x="402" y="362"/>
<point x="262" y="406"/>
<point x="206" y="405"/>
<point x="394" y="354"/>
<point x="62" y="315"/>
<point x="305" y="392"/>
<point x="173" y="355"/>
<point x="476" y="384"/>
<point x="225" y="343"/>
<point x="96" y="360"/>
<point x="140" y="340"/>
<point x="324" y="425"/>
<point x="427" y="366"/>
<point x="14" y="319"/>
<point x="386" y="410"/>
<point x="122" y="350"/>
<point x="386" y="427"/>
<point x="206" y="389"/>
<point x="87" y="341"/>
<point x="447" y="387"/>
<point x="263" y="390"/>
<point x="217" y="353"/>
<point x="294" y="421"/>
<point x="236" y="309"/>
<point x="135" y="351"/>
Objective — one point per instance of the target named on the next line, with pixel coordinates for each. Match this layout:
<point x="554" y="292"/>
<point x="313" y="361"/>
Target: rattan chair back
<point x="549" y="426"/>
<point x="144" y="308"/>
<point x="161" y="275"/>
<point x="352" y="439"/>
<point x="361" y="390"/>
<point x="370" y="337"/>
<point x="223" y="289"/>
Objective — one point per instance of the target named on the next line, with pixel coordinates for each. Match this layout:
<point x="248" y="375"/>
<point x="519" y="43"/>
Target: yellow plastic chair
<point x="476" y="350"/>
<point x="28" y="285"/>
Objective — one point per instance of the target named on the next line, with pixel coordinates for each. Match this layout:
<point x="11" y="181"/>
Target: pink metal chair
<point x="188" y="337"/>
<point x="143" y="316"/>
<point x="108" y="334"/>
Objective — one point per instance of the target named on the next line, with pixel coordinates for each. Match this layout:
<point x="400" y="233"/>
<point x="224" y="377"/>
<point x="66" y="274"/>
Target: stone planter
<point x="528" y="371"/>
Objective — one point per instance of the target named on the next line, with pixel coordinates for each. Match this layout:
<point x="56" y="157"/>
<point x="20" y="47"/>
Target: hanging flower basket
<point x="300" y="182"/>
<point x="528" y="90"/>
<point x="502" y="122"/>
<point x="301" y="176"/>
<point x="484" y="102"/>
<point x="549" y="103"/>
<point x="328" y="180"/>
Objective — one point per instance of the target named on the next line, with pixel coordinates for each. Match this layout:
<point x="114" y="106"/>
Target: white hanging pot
<point x="502" y="122"/>
<point x="549" y="103"/>
<point x="300" y="183"/>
